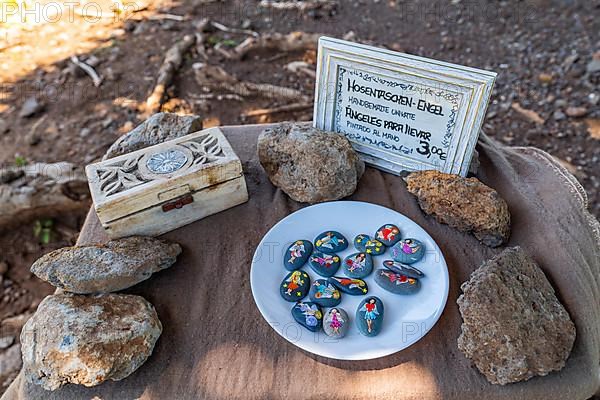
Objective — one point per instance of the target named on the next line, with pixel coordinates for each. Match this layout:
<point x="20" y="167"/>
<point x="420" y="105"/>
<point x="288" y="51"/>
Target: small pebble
<point x="336" y="323"/>
<point x="295" y="286"/>
<point x="309" y="315"/>
<point x="331" y="242"/>
<point x="369" y="316"/>
<point x="324" y="293"/>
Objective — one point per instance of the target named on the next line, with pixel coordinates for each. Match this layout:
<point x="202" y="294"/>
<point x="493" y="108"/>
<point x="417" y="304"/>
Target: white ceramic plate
<point x="407" y="318"/>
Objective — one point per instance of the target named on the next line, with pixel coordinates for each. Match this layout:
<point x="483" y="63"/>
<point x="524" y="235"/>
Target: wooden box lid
<point x="145" y="178"/>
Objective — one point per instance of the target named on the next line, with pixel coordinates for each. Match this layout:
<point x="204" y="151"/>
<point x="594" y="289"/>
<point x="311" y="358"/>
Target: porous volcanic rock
<point x="308" y="164"/>
<point x="514" y="327"/>
<point x="463" y="203"/>
<point x="87" y="340"/>
<point x="108" y="267"/>
<point x="159" y="128"/>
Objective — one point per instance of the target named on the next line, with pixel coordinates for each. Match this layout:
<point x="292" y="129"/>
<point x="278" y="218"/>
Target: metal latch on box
<point x="178" y="197"/>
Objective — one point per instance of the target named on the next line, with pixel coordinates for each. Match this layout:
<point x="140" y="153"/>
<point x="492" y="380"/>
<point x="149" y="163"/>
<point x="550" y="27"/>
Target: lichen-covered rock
<point x="158" y="128"/>
<point x="87" y="340"/>
<point x="308" y="164"/>
<point x="109" y="267"/>
<point x="514" y="327"/>
<point x="463" y="203"/>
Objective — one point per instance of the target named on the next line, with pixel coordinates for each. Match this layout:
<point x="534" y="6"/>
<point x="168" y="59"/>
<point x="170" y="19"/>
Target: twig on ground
<point x="299" y="5"/>
<point x="224" y="28"/>
<point x="301" y="67"/>
<point x="170" y="65"/>
<point x="202" y="26"/>
<point x="216" y="78"/>
<point x="173" y="17"/>
<point x="96" y="79"/>
<point x="276" y="110"/>
<point x="278" y="42"/>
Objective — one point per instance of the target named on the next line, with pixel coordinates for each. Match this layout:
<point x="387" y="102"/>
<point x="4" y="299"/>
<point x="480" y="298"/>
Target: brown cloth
<point x="216" y="345"/>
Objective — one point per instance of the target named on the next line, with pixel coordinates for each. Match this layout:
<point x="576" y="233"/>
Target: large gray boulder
<point x="158" y="128"/>
<point x="308" y="164"/>
<point x="514" y="327"/>
<point x="109" y="267"/>
<point x="87" y="340"/>
<point x="463" y="203"/>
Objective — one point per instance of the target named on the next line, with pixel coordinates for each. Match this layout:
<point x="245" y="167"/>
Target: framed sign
<point x="401" y="112"/>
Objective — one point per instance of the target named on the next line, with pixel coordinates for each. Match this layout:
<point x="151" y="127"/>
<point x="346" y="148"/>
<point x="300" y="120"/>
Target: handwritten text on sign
<point x="414" y="120"/>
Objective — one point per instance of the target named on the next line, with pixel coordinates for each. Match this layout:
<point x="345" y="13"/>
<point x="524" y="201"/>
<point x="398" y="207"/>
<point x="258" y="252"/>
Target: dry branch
<point x="216" y="78"/>
<point x="275" y="110"/>
<point x="299" y="5"/>
<point x="294" y="41"/>
<point x="172" y="62"/>
<point x="88" y="69"/>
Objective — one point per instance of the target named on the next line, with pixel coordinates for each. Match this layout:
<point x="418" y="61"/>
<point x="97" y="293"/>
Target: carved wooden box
<point x="160" y="188"/>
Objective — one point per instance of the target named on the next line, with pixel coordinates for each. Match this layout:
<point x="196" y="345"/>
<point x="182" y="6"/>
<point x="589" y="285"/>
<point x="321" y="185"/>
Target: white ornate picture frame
<point x="401" y="112"/>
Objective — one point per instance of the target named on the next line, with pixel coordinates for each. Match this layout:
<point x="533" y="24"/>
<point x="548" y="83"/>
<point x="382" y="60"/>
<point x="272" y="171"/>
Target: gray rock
<point x="113" y="266"/>
<point x="87" y="340"/>
<point x="31" y="107"/>
<point x="336" y="323"/>
<point x="158" y="128"/>
<point x="41" y="190"/>
<point x="514" y="327"/>
<point x="3" y="126"/>
<point x="463" y="203"/>
<point x="308" y="164"/>
<point x="6" y="341"/>
<point x="10" y="360"/>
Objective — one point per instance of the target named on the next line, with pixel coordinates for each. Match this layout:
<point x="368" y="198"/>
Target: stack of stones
<point x="85" y="334"/>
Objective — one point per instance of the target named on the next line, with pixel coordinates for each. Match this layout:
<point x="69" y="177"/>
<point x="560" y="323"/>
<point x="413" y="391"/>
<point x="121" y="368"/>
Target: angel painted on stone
<point x="371" y="313"/>
<point x="409" y="246"/>
<point x="336" y="321"/>
<point x="330" y="241"/>
<point x="357" y="262"/>
<point x="398" y="279"/>
<point x="296" y="251"/>
<point x="388" y="233"/>
<point x="312" y="314"/>
<point x="294" y="282"/>
<point x="326" y="292"/>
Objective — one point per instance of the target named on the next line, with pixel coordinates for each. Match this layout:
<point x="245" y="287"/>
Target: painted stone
<point x="369" y="245"/>
<point x="388" y="234"/>
<point x="324" y="264"/>
<point x="336" y="323"/>
<point x="396" y="283"/>
<point x="331" y="242"/>
<point x="403" y="269"/>
<point x="351" y="286"/>
<point x="324" y="293"/>
<point x="308" y="314"/>
<point x="408" y="251"/>
<point x="369" y="316"/>
<point x="297" y="254"/>
<point x="295" y="286"/>
<point x="358" y="265"/>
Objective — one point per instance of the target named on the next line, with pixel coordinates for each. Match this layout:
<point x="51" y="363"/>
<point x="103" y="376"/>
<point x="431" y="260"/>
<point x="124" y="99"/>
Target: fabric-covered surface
<point x="216" y="345"/>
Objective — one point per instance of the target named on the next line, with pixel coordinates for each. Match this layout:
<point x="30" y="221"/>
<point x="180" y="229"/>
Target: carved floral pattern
<point x="125" y="174"/>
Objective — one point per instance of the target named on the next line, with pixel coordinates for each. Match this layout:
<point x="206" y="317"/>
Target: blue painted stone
<point x="297" y="254"/>
<point x="308" y="314"/>
<point x="408" y="251"/>
<point x="295" y="286"/>
<point x="369" y="245"/>
<point x="403" y="269"/>
<point x="336" y="323"/>
<point x="331" y="242"/>
<point x="324" y="293"/>
<point x="396" y="283"/>
<point x="388" y="234"/>
<point x="358" y="265"/>
<point x="351" y="286"/>
<point x="324" y="264"/>
<point x="369" y="316"/>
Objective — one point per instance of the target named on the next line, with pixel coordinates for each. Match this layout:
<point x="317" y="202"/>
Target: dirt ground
<point x="547" y="94"/>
